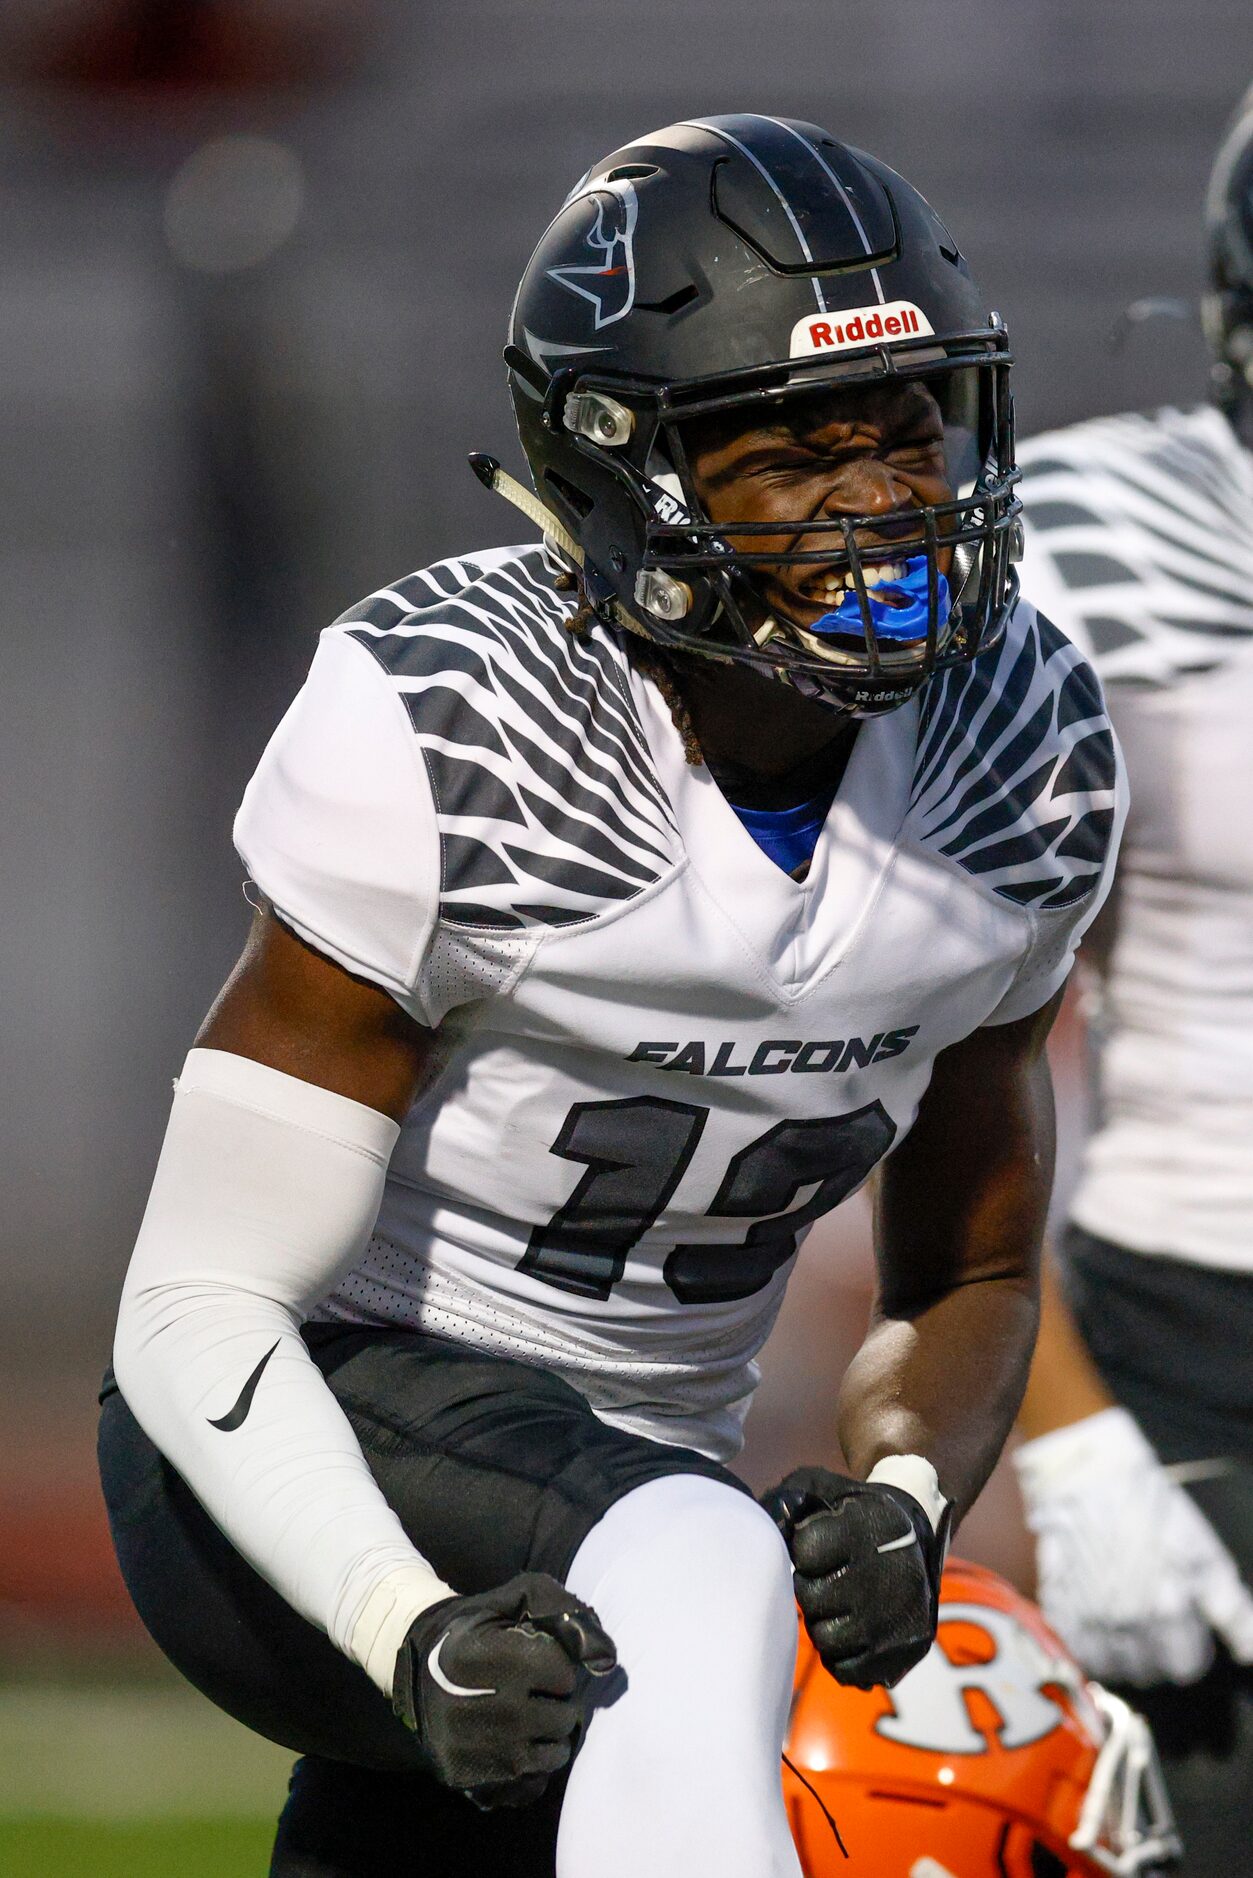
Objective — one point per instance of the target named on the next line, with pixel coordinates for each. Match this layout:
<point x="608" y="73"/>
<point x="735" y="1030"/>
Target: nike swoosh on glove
<point x="1131" y="1574"/>
<point x="867" y="1572"/>
<point x="498" y="1685"/>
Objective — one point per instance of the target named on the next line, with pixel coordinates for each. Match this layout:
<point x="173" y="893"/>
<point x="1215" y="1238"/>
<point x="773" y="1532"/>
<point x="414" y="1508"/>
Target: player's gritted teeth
<point x="830" y="585"/>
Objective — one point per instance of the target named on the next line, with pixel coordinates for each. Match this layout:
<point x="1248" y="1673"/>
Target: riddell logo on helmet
<point x="861" y="326"/>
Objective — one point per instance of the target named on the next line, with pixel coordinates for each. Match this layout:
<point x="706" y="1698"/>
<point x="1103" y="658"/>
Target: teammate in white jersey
<point x="628" y="902"/>
<point x="1138" y="1477"/>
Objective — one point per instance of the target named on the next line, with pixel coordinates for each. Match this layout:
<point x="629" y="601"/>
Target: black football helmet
<point x="730" y="265"/>
<point x="1227" y="309"/>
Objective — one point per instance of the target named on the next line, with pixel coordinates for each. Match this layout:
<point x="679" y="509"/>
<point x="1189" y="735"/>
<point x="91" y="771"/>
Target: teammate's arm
<point x="1065" y="1385"/>
<point x="1129" y="1570"/>
<point x="929" y="1398"/>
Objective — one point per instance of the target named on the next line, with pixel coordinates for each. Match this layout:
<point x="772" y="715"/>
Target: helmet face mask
<point x="614" y="428"/>
<point x="1125" y="1822"/>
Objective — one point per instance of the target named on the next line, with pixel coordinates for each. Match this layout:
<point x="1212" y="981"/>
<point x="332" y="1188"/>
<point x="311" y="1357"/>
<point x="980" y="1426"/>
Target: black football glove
<point x="867" y="1572"/>
<point x="498" y="1685"/>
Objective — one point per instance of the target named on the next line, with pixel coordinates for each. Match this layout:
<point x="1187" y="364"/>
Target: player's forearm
<point x="266" y="1191"/>
<point x="959" y="1224"/>
<point x="944" y="1383"/>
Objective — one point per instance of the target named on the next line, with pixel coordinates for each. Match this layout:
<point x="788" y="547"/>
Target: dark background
<point x="239" y="383"/>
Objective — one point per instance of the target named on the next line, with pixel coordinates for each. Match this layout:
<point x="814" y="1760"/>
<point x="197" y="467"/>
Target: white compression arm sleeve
<point x="265" y="1195"/>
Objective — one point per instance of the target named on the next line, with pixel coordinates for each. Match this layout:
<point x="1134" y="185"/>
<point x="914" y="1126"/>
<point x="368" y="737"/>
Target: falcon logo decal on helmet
<point x="609" y="283"/>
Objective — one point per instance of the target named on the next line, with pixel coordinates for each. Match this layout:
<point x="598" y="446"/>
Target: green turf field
<point x="83" y="1848"/>
<point x="132" y="1780"/>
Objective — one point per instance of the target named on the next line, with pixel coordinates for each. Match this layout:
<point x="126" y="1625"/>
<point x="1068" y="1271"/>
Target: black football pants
<point x="494" y="1468"/>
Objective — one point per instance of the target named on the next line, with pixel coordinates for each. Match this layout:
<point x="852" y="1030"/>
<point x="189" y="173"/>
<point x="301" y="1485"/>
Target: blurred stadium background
<point x="257" y="259"/>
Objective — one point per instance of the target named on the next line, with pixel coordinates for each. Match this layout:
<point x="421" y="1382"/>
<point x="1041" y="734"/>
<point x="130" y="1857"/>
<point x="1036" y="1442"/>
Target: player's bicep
<point x="288" y="1006"/>
<point x="965" y="1196"/>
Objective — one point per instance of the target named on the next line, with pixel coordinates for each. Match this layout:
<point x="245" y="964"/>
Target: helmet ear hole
<point x="673" y="302"/>
<point x="573" y="500"/>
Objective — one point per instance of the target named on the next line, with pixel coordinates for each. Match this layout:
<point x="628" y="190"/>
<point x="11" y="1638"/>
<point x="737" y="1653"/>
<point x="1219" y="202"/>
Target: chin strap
<point x="646" y="655"/>
<point x="492" y="477"/>
<point x="501" y="483"/>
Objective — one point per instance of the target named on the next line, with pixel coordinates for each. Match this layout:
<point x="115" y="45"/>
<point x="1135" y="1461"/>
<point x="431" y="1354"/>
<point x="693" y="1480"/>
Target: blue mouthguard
<point x="889" y="620"/>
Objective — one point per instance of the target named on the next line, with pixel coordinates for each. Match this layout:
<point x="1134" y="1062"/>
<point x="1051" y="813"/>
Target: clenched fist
<point x="867" y="1564"/>
<point x="498" y="1685"/>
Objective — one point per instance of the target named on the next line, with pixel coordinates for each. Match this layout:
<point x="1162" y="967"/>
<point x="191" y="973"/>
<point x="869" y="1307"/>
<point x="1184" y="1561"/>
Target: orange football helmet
<point x="993" y="1758"/>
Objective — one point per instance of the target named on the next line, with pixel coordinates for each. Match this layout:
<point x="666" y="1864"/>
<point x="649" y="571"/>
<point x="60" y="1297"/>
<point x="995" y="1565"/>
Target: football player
<point x="1138" y="1478"/>
<point x="628" y="901"/>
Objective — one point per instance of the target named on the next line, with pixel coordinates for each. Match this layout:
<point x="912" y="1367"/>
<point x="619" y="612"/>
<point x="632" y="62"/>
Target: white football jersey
<point x="1140" y="546"/>
<point x="660" y="1058"/>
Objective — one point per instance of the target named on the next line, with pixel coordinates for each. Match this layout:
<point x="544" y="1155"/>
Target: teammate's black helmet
<point x="1228" y="306"/>
<point x="731" y="264"/>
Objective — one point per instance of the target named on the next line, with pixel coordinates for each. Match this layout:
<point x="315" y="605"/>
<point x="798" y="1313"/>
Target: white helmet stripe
<point x="717" y="130"/>
<point x="845" y="198"/>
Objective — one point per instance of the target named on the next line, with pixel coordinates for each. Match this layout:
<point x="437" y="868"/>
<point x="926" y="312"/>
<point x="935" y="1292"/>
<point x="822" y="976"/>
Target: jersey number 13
<point x="635" y="1153"/>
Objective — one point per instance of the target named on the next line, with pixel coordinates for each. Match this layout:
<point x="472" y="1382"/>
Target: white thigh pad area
<point x="681" y="1773"/>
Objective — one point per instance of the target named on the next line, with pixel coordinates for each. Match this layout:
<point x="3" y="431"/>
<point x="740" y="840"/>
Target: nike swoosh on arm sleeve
<point x="265" y="1194"/>
<point x="237" y="1414"/>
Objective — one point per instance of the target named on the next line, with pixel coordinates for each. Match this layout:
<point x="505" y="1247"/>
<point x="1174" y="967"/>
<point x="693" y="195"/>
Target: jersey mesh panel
<point x="462" y="966"/>
<point x="605" y="1373"/>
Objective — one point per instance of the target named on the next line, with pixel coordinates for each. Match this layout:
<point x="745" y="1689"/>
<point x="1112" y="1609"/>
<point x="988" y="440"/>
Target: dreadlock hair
<point x="649" y="660"/>
<point x="652" y="663"/>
